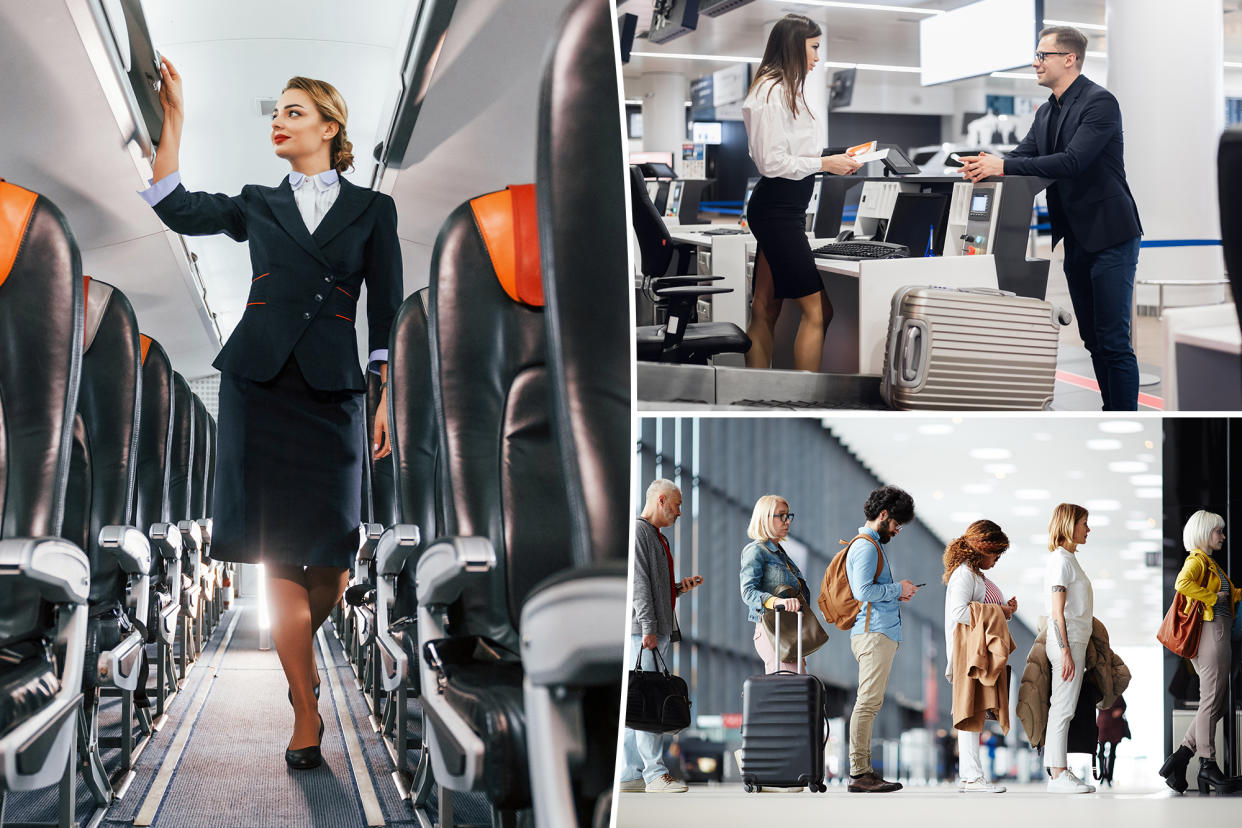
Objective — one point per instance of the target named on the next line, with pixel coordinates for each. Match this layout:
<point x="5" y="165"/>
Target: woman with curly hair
<point x="965" y="559"/>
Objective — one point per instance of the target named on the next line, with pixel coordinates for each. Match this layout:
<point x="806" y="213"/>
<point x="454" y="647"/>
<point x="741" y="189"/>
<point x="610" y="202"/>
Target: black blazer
<point x="1089" y="197"/>
<point x="304" y="287"/>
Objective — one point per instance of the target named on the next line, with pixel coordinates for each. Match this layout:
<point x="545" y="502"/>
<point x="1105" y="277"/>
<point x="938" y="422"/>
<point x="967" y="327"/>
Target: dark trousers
<point x="1101" y="286"/>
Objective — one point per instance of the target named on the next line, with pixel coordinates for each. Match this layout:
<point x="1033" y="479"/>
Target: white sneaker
<point x="979" y="786"/>
<point x="1067" y="783"/>
<point x="633" y="785"/>
<point x="666" y="784"/>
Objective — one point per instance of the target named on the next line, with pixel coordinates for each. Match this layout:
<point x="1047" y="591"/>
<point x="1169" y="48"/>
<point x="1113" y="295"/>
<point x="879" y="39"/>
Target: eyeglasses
<point x="1039" y="56"/>
<point x="787" y="517"/>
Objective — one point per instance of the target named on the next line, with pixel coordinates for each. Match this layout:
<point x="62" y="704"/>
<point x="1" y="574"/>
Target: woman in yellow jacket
<point x="1203" y="580"/>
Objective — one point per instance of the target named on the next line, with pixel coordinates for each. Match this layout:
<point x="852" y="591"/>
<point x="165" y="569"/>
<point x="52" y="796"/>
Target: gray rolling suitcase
<point x="970" y="348"/>
<point x="784" y="728"/>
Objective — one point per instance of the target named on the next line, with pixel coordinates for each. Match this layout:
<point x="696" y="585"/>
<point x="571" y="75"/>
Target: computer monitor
<point x="918" y="222"/>
<point x="656" y="169"/>
<point x="750" y="189"/>
<point x="897" y="161"/>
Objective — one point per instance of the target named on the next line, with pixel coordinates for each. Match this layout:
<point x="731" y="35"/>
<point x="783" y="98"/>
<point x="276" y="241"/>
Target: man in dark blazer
<point x="1076" y="140"/>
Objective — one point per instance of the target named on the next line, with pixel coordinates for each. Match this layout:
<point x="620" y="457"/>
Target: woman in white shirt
<point x="965" y="558"/>
<point x="780" y="131"/>
<point x="1069" y="603"/>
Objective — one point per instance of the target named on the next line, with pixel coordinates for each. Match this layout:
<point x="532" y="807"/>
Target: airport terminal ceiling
<point x="885" y="38"/>
<point x="1014" y="471"/>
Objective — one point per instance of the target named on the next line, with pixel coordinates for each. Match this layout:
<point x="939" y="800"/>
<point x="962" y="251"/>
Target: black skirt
<point x="776" y="215"/>
<point x="288" y="472"/>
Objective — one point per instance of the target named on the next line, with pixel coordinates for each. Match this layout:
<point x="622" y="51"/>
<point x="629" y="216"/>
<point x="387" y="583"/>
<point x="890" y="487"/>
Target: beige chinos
<point x="1212" y="665"/>
<point x="874" y="653"/>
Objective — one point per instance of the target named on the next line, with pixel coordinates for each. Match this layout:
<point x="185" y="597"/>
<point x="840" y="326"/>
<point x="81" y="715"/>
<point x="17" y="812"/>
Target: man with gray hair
<point x="1076" y="141"/>
<point x="653" y="606"/>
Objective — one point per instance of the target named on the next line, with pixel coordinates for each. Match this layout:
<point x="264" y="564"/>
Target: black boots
<point x="1210" y="777"/>
<point x="1174" y="769"/>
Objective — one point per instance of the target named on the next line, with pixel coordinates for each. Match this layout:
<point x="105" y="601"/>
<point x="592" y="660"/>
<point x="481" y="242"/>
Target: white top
<point x="964" y="586"/>
<point x="781" y="145"/>
<point x="1062" y="569"/>
<point x="315" y="195"/>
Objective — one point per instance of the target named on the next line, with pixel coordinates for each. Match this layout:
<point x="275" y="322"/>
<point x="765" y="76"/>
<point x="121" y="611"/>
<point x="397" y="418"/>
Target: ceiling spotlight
<point x="1127" y="467"/>
<point x="991" y="453"/>
<point x="1149" y="494"/>
<point x="1120" y="426"/>
<point x="1146" y="480"/>
<point x="1103" y="444"/>
<point x="1102" y="505"/>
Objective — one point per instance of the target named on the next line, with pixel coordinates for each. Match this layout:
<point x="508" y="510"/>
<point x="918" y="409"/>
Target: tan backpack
<point x="836" y="599"/>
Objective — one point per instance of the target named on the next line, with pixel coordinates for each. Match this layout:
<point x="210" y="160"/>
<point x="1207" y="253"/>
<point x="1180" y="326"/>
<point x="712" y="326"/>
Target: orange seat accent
<point x="145" y="342"/>
<point x="346" y="318"/>
<point x="16" y="205"/>
<point x="508" y="223"/>
<point x="248" y="304"/>
<point x="344" y="291"/>
<point x="257" y="278"/>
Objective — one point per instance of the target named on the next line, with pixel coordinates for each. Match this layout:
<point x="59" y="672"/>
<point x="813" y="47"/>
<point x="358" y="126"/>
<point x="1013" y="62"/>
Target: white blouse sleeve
<point x="768" y="132"/>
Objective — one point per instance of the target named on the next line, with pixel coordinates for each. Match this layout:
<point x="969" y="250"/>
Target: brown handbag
<point x="1183" y="623"/>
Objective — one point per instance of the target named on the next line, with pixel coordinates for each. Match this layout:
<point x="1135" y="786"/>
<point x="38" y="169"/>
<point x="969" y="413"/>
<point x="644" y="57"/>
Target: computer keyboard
<point x="862" y="250"/>
<point x="723" y="231"/>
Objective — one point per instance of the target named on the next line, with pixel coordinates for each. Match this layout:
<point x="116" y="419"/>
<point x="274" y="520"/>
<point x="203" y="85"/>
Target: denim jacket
<point x="763" y="573"/>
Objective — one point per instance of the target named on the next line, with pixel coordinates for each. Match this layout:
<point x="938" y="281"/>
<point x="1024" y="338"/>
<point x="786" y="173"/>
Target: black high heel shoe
<point x="307" y="757"/>
<point x="1174" y="769"/>
<point x="316" y="690"/>
<point x="1210" y="776"/>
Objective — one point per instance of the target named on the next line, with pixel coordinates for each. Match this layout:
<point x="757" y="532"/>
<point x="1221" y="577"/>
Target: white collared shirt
<point x="781" y="145"/>
<point x="314" y="195"/>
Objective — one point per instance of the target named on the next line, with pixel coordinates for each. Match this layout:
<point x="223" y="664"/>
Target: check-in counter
<point x="1203" y="359"/>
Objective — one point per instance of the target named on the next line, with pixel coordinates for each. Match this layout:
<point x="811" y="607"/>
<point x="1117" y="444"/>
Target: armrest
<point x="58" y="569"/>
<point x="369" y="535"/>
<point x="204" y="528"/>
<point x="569" y="630"/>
<point x="191" y="536"/>
<point x="166" y="540"/>
<point x="395" y="548"/>
<point x="130" y="548"/>
<point x="681" y="281"/>
<point x="687" y="291"/>
<point x="445" y="567"/>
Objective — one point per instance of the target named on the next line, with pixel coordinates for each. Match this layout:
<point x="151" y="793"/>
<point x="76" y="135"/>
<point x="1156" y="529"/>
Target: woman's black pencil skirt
<point x="776" y="215"/>
<point x="288" y="472"/>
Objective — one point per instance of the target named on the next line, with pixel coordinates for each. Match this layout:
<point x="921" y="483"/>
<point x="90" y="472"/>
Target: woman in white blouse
<point x="781" y="133"/>
<point x="1070" y="606"/>
<point x="965" y="558"/>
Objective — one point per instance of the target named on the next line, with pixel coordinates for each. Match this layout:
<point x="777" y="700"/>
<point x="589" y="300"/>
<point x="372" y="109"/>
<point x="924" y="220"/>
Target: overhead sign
<point x="719" y="96"/>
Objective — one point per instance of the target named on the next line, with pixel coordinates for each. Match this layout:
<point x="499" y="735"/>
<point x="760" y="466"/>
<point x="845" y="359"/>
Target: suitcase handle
<point x="910" y="356"/>
<point x="776" y="641"/>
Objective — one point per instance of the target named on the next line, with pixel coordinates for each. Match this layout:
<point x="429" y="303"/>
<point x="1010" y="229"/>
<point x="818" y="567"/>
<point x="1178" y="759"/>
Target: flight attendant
<point x="292" y="439"/>
<point x="780" y="130"/>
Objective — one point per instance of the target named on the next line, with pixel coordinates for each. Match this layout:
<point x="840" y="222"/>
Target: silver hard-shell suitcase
<point x="970" y="348"/>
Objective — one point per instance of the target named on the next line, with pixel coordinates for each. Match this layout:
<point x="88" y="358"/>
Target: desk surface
<point x="1226" y="338"/>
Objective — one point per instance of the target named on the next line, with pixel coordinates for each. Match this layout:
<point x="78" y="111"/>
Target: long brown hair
<point x="784" y="58"/>
<point x="983" y="537"/>
<point x="331" y="106"/>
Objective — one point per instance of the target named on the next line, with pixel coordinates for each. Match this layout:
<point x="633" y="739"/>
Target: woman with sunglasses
<point x="766" y="568"/>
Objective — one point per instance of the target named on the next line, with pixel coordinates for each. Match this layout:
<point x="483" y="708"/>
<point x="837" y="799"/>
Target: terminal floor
<point x="232" y="720"/>
<point x="723" y="806"/>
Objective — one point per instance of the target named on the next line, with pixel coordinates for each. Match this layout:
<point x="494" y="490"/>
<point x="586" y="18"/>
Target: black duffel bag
<point x="658" y="701"/>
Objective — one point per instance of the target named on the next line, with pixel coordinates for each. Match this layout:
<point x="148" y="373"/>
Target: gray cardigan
<point x="653" y="591"/>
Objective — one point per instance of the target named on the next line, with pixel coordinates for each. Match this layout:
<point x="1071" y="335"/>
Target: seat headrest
<point x="96" y="295"/>
<point x="16" y="205"/>
<point x="510" y="229"/>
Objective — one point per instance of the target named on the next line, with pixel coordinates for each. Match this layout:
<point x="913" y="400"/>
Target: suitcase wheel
<point x="749" y="788"/>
